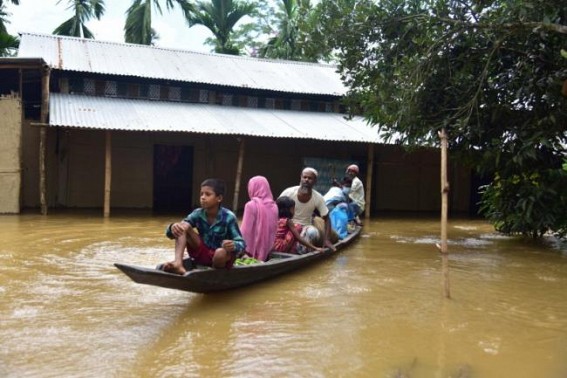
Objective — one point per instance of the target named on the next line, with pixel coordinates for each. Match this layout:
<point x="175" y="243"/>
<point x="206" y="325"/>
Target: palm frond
<point x="220" y="17"/>
<point x="69" y="27"/>
<point x="83" y="11"/>
<point x="8" y="44"/>
<point x="138" y="26"/>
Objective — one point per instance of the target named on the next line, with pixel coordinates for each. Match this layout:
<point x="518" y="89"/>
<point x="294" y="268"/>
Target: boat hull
<point x="207" y="280"/>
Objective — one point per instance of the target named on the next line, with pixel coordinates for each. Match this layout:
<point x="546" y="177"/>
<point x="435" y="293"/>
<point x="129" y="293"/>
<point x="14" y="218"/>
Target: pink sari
<point x="260" y="218"/>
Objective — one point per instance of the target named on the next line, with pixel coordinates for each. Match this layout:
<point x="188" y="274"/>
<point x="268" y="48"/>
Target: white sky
<point x="43" y="16"/>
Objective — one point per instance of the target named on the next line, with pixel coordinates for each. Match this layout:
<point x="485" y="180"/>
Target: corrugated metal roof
<point x="87" y="55"/>
<point x="144" y="115"/>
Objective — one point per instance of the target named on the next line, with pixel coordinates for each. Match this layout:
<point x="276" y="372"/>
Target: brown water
<point x="375" y="310"/>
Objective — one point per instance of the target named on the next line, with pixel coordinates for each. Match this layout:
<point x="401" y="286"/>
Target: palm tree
<point x="138" y="28"/>
<point x="8" y="43"/>
<point x="83" y="11"/>
<point x="283" y="44"/>
<point x="295" y="33"/>
<point x="220" y="17"/>
<point x="4" y="15"/>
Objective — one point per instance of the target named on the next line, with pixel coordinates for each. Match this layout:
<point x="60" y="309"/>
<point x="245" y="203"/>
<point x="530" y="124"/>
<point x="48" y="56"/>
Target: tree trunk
<point x="44" y="113"/>
<point x="444" y="211"/>
<point x="107" y="173"/>
<point x="238" y="176"/>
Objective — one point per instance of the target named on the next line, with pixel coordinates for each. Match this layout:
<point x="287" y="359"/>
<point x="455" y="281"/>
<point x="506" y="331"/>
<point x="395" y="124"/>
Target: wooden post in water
<point x="44" y="113"/>
<point x="370" y="166"/>
<point x="238" y="175"/>
<point x="107" y="173"/>
<point x="444" y="211"/>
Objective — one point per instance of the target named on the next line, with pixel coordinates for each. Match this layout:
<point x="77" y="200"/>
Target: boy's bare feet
<point x="172" y="267"/>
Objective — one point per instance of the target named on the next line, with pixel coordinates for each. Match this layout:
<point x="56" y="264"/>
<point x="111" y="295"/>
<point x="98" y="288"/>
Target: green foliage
<point x="3" y="19"/>
<point x="83" y="11"/>
<point x="251" y="36"/>
<point x="296" y="33"/>
<point x="520" y="204"/>
<point x="138" y="27"/>
<point x="8" y="43"/>
<point x="488" y="72"/>
<point x="221" y="17"/>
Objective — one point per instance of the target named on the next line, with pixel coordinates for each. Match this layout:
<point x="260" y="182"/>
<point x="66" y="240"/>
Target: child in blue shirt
<point x="217" y="240"/>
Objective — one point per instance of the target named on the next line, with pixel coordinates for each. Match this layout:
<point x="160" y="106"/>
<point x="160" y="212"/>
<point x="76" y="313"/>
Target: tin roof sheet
<point x="145" y="115"/>
<point x="92" y="56"/>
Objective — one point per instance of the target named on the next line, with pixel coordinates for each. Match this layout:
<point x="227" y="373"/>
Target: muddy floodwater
<point x="374" y="310"/>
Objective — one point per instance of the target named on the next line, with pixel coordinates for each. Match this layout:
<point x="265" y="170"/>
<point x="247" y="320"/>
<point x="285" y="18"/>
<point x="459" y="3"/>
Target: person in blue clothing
<point x="217" y="240"/>
<point x="338" y="192"/>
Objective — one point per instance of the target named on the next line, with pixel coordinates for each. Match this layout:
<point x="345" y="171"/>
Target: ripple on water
<point x="415" y="240"/>
<point x="466" y="228"/>
<point x="25" y="312"/>
<point x="491" y="347"/>
<point x="495" y="236"/>
<point x="473" y="242"/>
<point x="547" y="278"/>
<point x="463" y="242"/>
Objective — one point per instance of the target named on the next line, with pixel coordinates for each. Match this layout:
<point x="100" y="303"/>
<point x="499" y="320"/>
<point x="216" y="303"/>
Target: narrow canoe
<point x="206" y="280"/>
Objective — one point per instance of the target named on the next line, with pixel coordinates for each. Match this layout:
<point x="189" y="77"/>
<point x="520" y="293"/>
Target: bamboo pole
<point x="107" y="173"/>
<point x="238" y="175"/>
<point x="444" y="211"/>
<point x="369" y="170"/>
<point x="44" y="113"/>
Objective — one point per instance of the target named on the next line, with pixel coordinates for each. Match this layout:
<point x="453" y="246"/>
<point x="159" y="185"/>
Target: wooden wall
<point x="10" y="154"/>
<point x="402" y="181"/>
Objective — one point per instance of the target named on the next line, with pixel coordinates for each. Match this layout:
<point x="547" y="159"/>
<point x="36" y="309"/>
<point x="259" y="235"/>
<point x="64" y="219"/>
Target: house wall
<point x="30" y="165"/>
<point x="410" y="181"/>
<point x="10" y="154"/>
<point x="402" y="181"/>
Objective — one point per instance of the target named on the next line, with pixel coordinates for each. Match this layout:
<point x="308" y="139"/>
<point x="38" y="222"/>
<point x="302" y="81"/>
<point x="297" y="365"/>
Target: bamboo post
<point x="44" y="113"/>
<point x="107" y="173"/>
<point x="370" y="166"/>
<point x="238" y="175"/>
<point x="444" y="210"/>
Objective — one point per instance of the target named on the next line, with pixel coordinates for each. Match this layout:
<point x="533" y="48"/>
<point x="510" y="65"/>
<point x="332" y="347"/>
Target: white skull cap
<point x="312" y="170"/>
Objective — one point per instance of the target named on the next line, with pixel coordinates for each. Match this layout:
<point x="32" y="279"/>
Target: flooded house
<point x="93" y="124"/>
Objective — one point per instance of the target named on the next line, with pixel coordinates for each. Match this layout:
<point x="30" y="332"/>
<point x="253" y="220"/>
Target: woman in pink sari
<point x="260" y="219"/>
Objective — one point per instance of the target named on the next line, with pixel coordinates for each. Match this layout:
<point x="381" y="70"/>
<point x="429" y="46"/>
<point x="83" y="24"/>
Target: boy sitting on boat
<point x="217" y="240"/>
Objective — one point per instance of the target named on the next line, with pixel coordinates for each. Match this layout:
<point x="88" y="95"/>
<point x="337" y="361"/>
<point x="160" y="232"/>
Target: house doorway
<point x="173" y="178"/>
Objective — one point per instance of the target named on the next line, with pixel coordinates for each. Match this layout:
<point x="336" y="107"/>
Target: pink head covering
<point x="352" y="167"/>
<point x="260" y="218"/>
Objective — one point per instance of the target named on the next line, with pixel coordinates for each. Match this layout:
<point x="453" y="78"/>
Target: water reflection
<point x="375" y="310"/>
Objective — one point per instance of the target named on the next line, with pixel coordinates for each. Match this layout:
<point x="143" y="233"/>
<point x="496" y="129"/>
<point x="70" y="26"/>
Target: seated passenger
<point x="210" y="233"/>
<point x="339" y="220"/>
<point x="307" y="201"/>
<point x="356" y="195"/>
<point x="259" y="219"/>
<point x="288" y="234"/>
<point x="339" y="192"/>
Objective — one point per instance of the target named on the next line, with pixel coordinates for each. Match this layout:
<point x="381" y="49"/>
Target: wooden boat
<point x="202" y="279"/>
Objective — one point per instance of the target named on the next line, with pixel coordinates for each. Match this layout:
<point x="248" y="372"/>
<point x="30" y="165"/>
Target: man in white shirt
<point x="307" y="200"/>
<point x="356" y="193"/>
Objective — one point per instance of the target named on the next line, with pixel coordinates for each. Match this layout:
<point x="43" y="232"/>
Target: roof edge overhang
<point x="23" y="63"/>
<point x="87" y="56"/>
<point x="203" y="85"/>
<point x="102" y="113"/>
